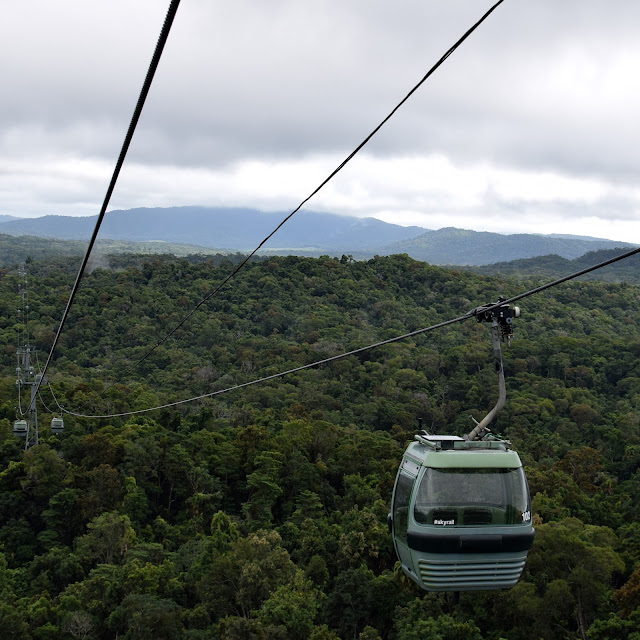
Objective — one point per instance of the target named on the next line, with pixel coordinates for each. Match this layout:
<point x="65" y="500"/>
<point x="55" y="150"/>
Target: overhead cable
<point x="275" y="375"/>
<point x="470" y="314"/>
<point x="577" y="274"/>
<point x="162" y="39"/>
<point x="316" y="190"/>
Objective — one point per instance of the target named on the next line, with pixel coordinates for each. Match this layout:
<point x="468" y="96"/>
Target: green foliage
<point x="292" y="607"/>
<point x="108" y="538"/>
<point x="554" y="266"/>
<point x="616" y="628"/>
<point x="262" y="513"/>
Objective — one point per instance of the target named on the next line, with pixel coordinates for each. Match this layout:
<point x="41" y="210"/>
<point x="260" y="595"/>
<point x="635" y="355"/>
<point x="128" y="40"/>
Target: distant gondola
<point x="20" y="428"/>
<point x="461" y="511"/>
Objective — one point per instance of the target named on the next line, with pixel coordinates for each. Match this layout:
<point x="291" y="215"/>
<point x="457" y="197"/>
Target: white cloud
<point x="544" y="187"/>
<point x="427" y="191"/>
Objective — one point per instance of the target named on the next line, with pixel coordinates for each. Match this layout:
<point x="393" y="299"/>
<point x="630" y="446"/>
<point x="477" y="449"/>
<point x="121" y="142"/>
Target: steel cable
<point x="162" y="39"/>
<point x="470" y="314"/>
<point x="316" y="190"/>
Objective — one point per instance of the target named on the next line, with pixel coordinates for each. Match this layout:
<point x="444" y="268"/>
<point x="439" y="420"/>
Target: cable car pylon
<point x="461" y="511"/>
<point x="26" y="424"/>
<point x="25" y="374"/>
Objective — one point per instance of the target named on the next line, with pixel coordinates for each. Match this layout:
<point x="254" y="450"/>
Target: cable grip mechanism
<point x="502" y="313"/>
<point x="501" y="318"/>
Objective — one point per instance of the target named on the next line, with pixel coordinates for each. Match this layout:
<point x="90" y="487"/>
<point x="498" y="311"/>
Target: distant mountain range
<point x="554" y="266"/>
<point x="307" y="233"/>
<point x="463" y="247"/>
<point x="220" y="228"/>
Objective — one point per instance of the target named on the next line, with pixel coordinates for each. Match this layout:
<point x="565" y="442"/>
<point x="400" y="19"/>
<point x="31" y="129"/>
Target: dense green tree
<point x="616" y="628"/>
<point x="264" y="487"/>
<point x="108" y="538"/>
<point x="146" y="617"/>
<point x="262" y="513"/>
<point x="292" y="607"/>
<point x="419" y="620"/>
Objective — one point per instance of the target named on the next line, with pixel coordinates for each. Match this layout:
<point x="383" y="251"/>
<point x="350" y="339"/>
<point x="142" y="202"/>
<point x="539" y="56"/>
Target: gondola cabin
<point x="20" y="428"/>
<point x="461" y="514"/>
<point x="57" y="425"/>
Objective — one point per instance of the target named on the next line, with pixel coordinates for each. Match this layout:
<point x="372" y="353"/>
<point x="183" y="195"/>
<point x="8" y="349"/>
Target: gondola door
<point x="403" y="490"/>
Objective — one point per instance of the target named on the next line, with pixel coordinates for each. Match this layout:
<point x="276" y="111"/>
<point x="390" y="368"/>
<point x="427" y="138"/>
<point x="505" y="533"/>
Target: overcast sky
<point x="531" y="126"/>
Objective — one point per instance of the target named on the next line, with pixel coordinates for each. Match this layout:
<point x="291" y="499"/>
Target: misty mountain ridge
<point x="307" y="233"/>
<point x="554" y="266"/>
<point x="221" y="228"/>
<point x="451" y="246"/>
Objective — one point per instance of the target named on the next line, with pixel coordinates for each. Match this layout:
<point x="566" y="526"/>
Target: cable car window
<point x="401" y="506"/>
<point x="472" y="497"/>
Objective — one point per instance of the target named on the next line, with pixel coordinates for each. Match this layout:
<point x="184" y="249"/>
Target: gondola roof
<point x="457" y="452"/>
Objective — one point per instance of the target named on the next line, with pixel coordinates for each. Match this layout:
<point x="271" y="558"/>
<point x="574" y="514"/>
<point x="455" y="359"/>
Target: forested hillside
<point x="261" y="513"/>
<point x="451" y="246"/>
<point x="554" y="266"/>
<point x="16" y="249"/>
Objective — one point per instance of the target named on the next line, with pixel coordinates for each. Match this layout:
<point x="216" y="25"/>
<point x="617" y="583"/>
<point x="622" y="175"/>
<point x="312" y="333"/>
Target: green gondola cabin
<point x="461" y="514"/>
<point x="20" y="428"/>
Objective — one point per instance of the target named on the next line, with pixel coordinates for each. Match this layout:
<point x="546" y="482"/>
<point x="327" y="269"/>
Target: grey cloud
<point x="540" y="86"/>
<point x="610" y="206"/>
